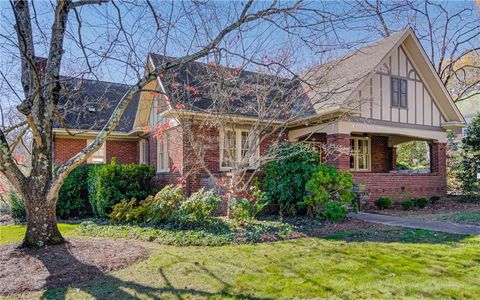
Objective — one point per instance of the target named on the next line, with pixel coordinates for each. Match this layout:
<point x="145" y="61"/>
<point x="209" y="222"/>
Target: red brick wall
<point x="125" y="152"/>
<point x="380" y="157"/>
<point x="340" y="158"/>
<point x="66" y="148"/>
<point x="400" y="186"/>
<point x="191" y="150"/>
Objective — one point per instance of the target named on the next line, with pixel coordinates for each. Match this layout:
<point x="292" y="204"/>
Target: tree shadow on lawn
<point x="104" y="286"/>
<point x="390" y="234"/>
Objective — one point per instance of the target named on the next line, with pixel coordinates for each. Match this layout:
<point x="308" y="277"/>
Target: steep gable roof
<point x="336" y="81"/>
<point x="88" y="104"/>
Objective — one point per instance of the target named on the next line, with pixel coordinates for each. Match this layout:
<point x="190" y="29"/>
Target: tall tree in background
<point x="471" y="157"/>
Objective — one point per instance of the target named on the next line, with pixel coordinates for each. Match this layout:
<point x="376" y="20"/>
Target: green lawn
<point x="14" y="233"/>
<point x="461" y="217"/>
<point x="355" y="264"/>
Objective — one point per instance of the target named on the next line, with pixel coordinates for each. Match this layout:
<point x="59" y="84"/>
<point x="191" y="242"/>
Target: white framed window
<point x="99" y="156"/>
<point x="360" y="154"/>
<point x="143" y="152"/>
<point x="235" y="144"/>
<point x="162" y="154"/>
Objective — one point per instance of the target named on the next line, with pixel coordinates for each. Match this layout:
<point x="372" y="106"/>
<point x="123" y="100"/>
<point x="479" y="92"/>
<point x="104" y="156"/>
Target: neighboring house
<point x="386" y="94"/>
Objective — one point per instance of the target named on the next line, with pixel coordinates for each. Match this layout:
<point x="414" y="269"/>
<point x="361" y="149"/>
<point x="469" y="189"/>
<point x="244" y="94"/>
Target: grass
<point x="389" y="234"/>
<point x="461" y="217"/>
<point x="12" y="234"/>
<point x="384" y="263"/>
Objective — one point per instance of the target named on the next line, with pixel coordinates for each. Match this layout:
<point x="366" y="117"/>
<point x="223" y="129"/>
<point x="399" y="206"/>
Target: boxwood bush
<point x="407" y="204"/>
<point x="110" y="183"/>
<point x="287" y="173"/>
<point x="384" y="202"/>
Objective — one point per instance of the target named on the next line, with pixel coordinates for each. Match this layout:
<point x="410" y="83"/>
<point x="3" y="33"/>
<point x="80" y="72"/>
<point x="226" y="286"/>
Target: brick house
<point x="390" y="94"/>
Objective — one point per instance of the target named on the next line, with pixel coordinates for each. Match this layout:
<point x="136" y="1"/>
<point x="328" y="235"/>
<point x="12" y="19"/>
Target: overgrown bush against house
<point x="327" y="184"/>
<point x="168" y="206"/>
<point x="110" y="183"/>
<point x="73" y="195"/>
<point x="199" y="207"/>
<point x="287" y="173"/>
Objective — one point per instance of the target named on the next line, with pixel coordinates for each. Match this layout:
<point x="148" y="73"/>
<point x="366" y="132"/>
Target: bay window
<point x="360" y="153"/>
<point x="235" y="145"/>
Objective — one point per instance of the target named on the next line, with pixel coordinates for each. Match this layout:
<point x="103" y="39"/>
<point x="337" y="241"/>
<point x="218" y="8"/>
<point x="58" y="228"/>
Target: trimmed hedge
<point x="110" y="183"/>
<point x="384" y="202"/>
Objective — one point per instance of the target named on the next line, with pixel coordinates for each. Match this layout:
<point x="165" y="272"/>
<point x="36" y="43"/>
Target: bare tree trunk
<point x="42" y="227"/>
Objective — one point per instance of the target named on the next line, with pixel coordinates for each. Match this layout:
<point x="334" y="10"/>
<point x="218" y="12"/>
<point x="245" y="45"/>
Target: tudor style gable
<point x="404" y="88"/>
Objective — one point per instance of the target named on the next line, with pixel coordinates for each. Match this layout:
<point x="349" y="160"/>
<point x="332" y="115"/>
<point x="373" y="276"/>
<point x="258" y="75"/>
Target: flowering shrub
<point x="248" y="206"/>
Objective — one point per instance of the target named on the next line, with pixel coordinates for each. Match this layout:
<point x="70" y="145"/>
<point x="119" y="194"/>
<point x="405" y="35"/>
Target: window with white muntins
<point x="360" y="154"/>
<point x="235" y="145"/>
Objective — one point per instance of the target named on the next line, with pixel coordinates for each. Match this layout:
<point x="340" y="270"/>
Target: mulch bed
<point x="24" y="270"/>
<point x="443" y="206"/>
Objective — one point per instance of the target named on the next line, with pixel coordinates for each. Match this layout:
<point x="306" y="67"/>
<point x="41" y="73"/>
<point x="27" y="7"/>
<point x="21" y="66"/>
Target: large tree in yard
<point x="80" y="37"/>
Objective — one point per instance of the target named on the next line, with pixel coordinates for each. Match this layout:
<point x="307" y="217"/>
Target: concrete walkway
<point x="420" y="224"/>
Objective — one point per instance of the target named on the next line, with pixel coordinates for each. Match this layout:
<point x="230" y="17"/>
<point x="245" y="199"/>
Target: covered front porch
<point x="369" y="151"/>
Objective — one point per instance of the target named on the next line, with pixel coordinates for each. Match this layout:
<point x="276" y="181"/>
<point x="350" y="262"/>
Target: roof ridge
<point x="95" y="80"/>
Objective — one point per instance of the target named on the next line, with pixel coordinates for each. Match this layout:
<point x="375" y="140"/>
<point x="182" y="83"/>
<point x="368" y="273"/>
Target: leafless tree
<point x="448" y="31"/>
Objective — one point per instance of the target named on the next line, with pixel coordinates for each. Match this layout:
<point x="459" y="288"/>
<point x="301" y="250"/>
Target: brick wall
<point x="191" y="150"/>
<point x="125" y="152"/>
<point x="380" y="157"/>
<point x="400" y="186"/>
<point x="66" y="148"/>
<point x="340" y="158"/>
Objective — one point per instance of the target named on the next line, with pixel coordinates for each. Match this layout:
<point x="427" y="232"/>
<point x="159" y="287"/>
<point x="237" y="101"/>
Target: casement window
<point x="99" y="156"/>
<point x="162" y="154"/>
<point x="360" y="153"/>
<point x="399" y="92"/>
<point x="235" y="145"/>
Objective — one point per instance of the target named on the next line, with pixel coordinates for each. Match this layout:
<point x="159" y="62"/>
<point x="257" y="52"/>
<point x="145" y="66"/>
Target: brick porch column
<point x="340" y="156"/>
<point x="438" y="158"/>
<point x="392" y="158"/>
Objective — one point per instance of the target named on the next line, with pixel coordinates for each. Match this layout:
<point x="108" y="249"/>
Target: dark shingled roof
<point x="88" y="104"/>
<point x="219" y="89"/>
